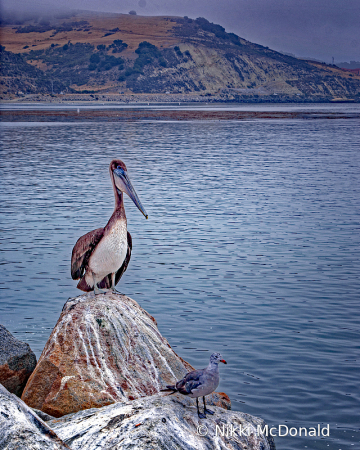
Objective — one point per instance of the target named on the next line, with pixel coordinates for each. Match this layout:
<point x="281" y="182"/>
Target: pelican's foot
<point x="201" y="415"/>
<point x="100" y="291"/>
<point x="114" y="291"/>
<point x="208" y="411"/>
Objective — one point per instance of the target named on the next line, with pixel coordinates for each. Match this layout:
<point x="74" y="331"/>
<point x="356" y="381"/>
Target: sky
<point x="321" y="29"/>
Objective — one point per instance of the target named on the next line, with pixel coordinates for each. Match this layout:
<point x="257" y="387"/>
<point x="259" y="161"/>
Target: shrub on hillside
<point x="118" y="46"/>
<point x="218" y="30"/>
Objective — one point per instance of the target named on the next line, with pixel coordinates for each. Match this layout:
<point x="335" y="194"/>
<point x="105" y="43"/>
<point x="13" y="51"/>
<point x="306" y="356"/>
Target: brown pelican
<point x="100" y="257"/>
<point x="199" y="383"/>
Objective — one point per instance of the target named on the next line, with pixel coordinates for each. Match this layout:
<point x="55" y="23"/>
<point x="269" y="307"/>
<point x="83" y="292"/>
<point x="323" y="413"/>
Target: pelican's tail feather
<point x="84" y="286"/>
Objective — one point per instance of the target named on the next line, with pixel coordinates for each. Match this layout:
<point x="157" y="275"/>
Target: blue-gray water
<point x="252" y="249"/>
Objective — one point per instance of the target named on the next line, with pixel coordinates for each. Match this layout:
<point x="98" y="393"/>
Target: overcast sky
<point x="319" y="29"/>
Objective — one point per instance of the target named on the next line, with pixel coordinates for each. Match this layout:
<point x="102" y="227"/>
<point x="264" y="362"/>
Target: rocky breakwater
<point x="17" y="361"/>
<point x="22" y="429"/>
<point x="104" y="349"/>
<point x="100" y="376"/>
<point x="158" y="422"/>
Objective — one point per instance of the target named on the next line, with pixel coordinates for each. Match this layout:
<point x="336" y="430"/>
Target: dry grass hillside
<point x="132" y="30"/>
<point x="116" y="53"/>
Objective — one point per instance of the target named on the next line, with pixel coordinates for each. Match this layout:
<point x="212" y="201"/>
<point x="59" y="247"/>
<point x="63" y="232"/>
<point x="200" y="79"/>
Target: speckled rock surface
<point x="22" y="429"/>
<point x="45" y="417"/>
<point x="104" y="349"/>
<point x="158" y="422"/>
<point x="17" y="361"/>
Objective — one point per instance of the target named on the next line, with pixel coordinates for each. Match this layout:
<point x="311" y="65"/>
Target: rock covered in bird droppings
<point x="22" y="429"/>
<point x="17" y="362"/>
<point x="159" y="422"/>
<point x="104" y="349"/>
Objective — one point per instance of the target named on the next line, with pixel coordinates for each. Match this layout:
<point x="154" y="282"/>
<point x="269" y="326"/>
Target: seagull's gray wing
<point x="191" y="381"/>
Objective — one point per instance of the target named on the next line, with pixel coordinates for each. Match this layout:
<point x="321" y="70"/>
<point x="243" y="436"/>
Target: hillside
<point x="95" y="53"/>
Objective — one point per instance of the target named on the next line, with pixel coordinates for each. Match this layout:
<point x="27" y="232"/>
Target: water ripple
<point x="251" y="249"/>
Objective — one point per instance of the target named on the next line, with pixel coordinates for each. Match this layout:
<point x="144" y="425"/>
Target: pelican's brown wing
<point x="105" y="283"/>
<point x="82" y="251"/>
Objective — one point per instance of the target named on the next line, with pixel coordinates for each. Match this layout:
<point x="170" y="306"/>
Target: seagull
<point x="100" y="257"/>
<point x="199" y="383"/>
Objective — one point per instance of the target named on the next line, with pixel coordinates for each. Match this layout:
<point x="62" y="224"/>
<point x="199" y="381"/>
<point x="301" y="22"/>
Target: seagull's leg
<point x="201" y="416"/>
<point x="207" y="411"/>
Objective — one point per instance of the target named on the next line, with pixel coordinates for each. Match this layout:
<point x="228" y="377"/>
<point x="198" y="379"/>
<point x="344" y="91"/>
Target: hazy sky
<point x="319" y="29"/>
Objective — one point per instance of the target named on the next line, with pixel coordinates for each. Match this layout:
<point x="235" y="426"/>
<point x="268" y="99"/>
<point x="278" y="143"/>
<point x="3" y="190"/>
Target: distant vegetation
<point x="72" y="62"/>
<point x="218" y="30"/>
<point x="177" y="50"/>
<point x="118" y="46"/>
<point x="34" y="29"/>
<point x="102" y="61"/>
<point x="69" y="55"/>
<point x="79" y="54"/>
<point x="147" y="54"/>
<point x="23" y="77"/>
<point x="45" y="26"/>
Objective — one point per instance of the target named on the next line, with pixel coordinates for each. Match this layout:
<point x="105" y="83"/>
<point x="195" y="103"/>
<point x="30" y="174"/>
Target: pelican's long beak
<point x="123" y="184"/>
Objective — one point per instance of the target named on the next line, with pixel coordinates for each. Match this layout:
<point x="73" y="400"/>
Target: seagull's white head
<point x="216" y="357"/>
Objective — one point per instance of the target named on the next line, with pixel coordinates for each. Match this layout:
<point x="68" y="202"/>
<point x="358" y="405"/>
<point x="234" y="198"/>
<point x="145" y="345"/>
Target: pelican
<point x="100" y="257"/>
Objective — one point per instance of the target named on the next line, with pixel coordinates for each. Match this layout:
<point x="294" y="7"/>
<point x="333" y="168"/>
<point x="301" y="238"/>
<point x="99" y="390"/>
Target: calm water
<point x="252" y="249"/>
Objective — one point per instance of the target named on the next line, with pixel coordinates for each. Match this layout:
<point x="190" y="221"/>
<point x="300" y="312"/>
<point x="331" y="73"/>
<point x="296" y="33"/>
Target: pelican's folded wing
<point x="82" y="251"/>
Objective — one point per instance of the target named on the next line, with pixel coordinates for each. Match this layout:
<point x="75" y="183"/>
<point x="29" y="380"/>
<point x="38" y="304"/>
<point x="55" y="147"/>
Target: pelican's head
<point x="215" y="358"/>
<point x="123" y="184"/>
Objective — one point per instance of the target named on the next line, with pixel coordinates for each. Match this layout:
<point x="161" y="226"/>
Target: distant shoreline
<point x="110" y="113"/>
<point x="194" y="98"/>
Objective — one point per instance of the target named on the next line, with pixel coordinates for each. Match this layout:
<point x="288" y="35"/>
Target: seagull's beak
<point x="123" y="184"/>
<point x="223" y="361"/>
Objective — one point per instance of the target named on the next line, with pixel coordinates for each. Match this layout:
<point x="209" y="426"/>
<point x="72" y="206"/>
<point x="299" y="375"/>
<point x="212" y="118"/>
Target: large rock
<point x="158" y="422"/>
<point x="22" y="429"/>
<point x="103" y="349"/>
<point x="17" y="361"/>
